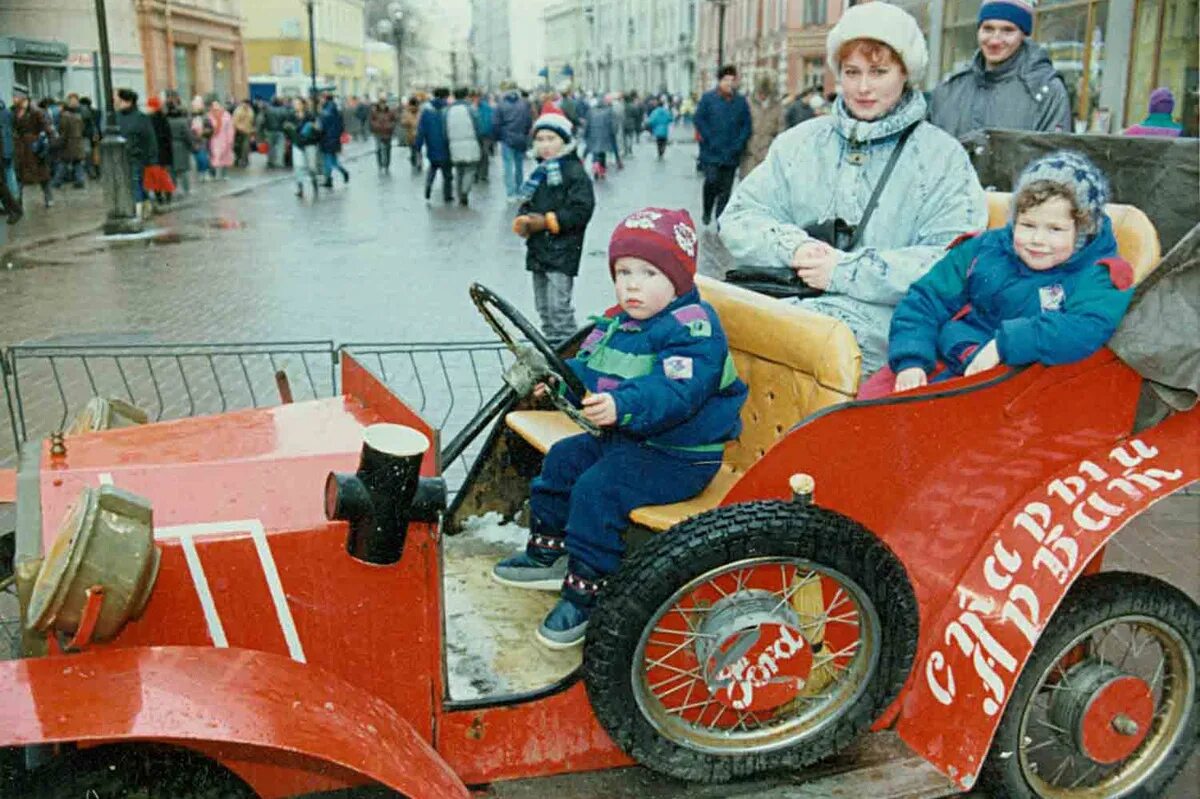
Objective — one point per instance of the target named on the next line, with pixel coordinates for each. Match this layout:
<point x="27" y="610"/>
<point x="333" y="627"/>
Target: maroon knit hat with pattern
<point x="663" y="236"/>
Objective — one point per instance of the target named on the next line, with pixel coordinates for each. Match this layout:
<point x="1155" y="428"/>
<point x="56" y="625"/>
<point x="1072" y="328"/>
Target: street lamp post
<point x="114" y="157"/>
<point x="396" y="12"/>
<point x="312" y="50"/>
<point x="721" y="4"/>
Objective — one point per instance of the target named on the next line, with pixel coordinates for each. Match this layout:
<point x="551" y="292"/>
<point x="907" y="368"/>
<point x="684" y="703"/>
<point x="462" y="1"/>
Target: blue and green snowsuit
<point x="678" y="399"/>
<point x="981" y="291"/>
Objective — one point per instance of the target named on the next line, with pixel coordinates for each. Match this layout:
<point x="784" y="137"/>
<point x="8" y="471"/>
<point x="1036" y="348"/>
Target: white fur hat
<point x="885" y="23"/>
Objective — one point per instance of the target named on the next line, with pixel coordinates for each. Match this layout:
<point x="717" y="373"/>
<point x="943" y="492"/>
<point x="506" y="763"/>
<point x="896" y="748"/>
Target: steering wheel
<point x="537" y="361"/>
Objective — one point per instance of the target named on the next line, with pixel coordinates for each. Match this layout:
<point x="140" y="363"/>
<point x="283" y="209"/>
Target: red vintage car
<point x="292" y="600"/>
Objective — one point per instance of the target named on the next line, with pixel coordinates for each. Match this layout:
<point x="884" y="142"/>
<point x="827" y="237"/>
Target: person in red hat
<point x="663" y="389"/>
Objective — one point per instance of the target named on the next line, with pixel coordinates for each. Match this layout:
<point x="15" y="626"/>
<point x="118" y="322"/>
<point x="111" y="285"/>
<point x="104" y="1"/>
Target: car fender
<point x="200" y="696"/>
<point x="973" y="649"/>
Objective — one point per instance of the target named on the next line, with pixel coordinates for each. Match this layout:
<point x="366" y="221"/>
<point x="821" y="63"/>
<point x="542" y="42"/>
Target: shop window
<point x="1062" y="28"/>
<point x="42" y="81"/>
<point x="1178" y="61"/>
<point x="222" y="74"/>
<point x="815" y="12"/>
<point x="960" y="37"/>
<point x="185" y="71"/>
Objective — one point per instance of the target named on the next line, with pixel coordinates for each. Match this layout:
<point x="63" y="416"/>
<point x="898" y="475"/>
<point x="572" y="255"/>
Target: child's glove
<point x="520" y="226"/>
<point x="536" y="224"/>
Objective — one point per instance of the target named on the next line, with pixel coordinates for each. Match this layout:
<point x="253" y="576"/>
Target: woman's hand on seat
<point x="910" y="378"/>
<point x="814" y="262"/>
<point x="987" y="357"/>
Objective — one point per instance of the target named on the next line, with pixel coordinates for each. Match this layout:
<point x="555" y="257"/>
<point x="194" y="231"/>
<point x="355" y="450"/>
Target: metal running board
<point x="880" y="766"/>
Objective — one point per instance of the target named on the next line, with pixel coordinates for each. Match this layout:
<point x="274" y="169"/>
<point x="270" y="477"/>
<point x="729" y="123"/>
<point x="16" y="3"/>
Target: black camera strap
<point x="856" y="239"/>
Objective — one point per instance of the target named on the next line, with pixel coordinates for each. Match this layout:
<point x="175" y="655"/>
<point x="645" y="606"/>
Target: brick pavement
<point x="80" y="211"/>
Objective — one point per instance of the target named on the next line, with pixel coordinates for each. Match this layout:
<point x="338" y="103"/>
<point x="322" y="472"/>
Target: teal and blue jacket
<point x="981" y="290"/>
<point x="672" y="377"/>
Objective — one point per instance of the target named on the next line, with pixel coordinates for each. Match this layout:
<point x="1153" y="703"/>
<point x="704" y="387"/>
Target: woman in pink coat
<point x="220" y="146"/>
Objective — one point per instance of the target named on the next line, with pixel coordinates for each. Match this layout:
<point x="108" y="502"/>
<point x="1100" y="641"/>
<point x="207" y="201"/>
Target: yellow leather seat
<point x="1137" y="240"/>
<point x="795" y="363"/>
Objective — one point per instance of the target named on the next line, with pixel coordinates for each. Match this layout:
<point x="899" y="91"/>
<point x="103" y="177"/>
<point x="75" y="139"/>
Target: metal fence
<point x="45" y="386"/>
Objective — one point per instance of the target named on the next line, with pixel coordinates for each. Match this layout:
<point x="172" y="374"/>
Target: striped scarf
<point x="548" y="172"/>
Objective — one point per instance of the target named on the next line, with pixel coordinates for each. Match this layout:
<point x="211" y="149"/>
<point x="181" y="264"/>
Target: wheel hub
<point x="753" y="653"/>
<point x="1105" y="712"/>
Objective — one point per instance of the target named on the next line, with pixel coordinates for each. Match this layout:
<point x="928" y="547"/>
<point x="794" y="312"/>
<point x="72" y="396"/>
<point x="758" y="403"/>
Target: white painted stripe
<point x="286" y="622"/>
<point x="105" y="479"/>
<point x="187" y="532"/>
<point x="215" y="631"/>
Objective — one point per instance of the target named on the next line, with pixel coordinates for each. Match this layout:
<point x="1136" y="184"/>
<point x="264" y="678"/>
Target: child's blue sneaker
<point x="542" y="570"/>
<point x="566" y="623"/>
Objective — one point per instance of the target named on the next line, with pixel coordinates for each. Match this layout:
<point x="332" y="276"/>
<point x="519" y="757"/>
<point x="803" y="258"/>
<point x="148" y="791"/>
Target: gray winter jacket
<point x="1024" y="93"/>
<point x="462" y="129"/>
<point x="600" y="134"/>
<point x="933" y="196"/>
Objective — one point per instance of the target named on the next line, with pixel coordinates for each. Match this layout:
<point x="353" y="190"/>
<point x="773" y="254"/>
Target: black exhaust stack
<point x="377" y="500"/>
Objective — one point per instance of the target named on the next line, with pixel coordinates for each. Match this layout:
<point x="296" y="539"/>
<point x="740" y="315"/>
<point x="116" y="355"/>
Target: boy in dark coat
<point x="1047" y="288"/>
<point x="556" y="206"/>
<point x="663" y="389"/>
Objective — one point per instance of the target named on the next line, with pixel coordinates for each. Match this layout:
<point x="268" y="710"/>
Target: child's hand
<point x="541" y="390"/>
<point x="600" y="409"/>
<point x="985" y="359"/>
<point x="910" y="378"/>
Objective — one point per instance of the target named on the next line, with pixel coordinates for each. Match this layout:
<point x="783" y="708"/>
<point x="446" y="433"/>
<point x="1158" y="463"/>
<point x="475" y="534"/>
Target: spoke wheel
<point x="1107" y="706"/>
<point x="753" y="637"/>
<point x="756" y="655"/>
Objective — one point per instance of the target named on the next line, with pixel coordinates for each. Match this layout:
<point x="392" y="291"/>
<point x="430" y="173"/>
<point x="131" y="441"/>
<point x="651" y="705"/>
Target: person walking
<point x="600" y="136"/>
<point x="184" y="144"/>
<point x="8" y="196"/>
<point x="32" y="137"/>
<point x="800" y="109"/>
<point x="1159" y="123"/>
<point x="383" y="122"/>
<point x="408" y="123"/>
<point x="362" y="118"/>
<point x="243" y="132"/>
<point x="71" y="157"/>
<point x="1010" y="83"/>
<point x="332" y="128"/>
<point x="273" y="118"/>
<point x="157" y="177"/>
<point x="304" y="137"/>
<point x="513" y="121"/>
<point x="431" y="134"/>
<point x="203" y="128"/>
<point x="91" y="137"/>
<point x="141" y="146"/>
<point x="766" y="120"/>
<point x="462" y="131"/>
<point x="487" y="140"/>
<point x="220" y="141"/>
<point x="631" y="130"/>
<point x="659" y="123"/>
<point x="723" y="127"/>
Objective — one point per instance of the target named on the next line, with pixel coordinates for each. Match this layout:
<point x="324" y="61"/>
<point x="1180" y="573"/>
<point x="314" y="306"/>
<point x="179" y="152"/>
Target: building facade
<point x="1111" y="53"/>
<point x="52" y="48"/>
<point x="275" y="34"/>
<point x="566" y="41"/>
<point x="193" y="47"/>
<point x="786" y="37"/>
<point x="642" y="45"/>
<point x="490" y="40"/>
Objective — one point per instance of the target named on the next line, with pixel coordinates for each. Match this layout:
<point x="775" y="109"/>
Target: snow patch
<point x="491" y="528"/>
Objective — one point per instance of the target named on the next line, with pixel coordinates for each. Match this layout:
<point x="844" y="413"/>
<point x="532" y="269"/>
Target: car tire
<point x="750" y="539"/>
<point x="146" y="771"/>
<point x="1094" y="606"/>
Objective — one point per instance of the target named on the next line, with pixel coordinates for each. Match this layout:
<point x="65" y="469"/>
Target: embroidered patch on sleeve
<point x="678" y="367"/>
<point x="1052" y="297"/>
<point x="699" y="328"/>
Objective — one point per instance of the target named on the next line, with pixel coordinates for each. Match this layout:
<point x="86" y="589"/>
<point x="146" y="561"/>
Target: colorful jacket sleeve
<point x="929" y="304"/>
<point x="1091" y="312"/>
<point x="955" y="204"/>
<point x="688" y="369"/>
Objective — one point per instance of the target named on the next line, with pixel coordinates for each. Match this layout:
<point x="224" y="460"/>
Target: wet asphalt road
<point x="368" y="261"/>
